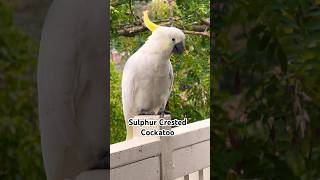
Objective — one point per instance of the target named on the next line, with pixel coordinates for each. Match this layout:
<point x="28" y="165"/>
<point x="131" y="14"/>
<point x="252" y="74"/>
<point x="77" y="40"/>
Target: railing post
<point x="201" y="174"/>
<point x="166" y="165"/>
<point x="166" y="155"/>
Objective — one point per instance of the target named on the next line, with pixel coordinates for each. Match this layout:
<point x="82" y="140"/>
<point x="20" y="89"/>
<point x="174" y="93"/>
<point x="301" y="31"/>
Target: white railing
<point x="186" y="155"/>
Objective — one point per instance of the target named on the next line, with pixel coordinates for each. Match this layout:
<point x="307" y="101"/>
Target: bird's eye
<point x="173" y="39"/>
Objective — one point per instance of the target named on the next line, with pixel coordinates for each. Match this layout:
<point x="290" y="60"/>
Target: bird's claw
<point x="163" y="112"/>
<point x="144" y="112"/>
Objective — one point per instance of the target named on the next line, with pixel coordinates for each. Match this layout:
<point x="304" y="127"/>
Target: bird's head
<point x="165" y="39"/>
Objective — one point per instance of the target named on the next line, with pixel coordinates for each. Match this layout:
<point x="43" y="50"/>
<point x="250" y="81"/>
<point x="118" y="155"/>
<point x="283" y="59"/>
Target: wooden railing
<point x="186" y="155"/>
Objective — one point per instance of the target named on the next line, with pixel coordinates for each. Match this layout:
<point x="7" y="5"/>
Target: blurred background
<point x="266" y="101"/>
<point x="191" y="90"/>
<point x="20" y="30"/>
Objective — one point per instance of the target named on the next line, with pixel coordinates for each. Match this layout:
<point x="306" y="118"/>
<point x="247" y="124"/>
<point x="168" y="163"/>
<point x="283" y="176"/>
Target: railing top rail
<point x="142" y="148"/>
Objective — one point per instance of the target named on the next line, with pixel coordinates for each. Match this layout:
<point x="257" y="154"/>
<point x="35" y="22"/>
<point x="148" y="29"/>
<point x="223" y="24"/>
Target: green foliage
<point x="190" y="96"/>
<point x="117" y="127"/>
<point x="266" y="100"/>
<point x="20" y="156"/>
<point x="160" y="9"/>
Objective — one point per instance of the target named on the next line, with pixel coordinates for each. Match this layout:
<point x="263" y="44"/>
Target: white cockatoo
<point x="148" y="76"/>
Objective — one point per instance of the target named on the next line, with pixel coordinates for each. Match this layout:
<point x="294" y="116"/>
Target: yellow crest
<point x="150" y="25"/>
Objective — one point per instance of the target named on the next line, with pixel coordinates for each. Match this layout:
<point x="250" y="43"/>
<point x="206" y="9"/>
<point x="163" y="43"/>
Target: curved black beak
<point x="178" y="48"/>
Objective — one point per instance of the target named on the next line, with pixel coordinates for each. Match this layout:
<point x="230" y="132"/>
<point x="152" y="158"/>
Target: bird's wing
<point x="170" y="81"/>
<point x="171" y="77"/>
<point x="128" y="87"/>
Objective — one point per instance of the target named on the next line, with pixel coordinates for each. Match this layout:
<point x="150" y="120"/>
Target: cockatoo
<point x="148" y="76"/>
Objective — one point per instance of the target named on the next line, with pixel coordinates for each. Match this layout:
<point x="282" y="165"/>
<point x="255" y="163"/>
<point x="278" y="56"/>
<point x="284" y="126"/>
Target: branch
<point x="197" y="33"/>
<point x="132" y="30"/>
<point x="200" y="28"/>
<point x="139" y="23"/>
<point x="130" y="8"/>
<point x="206" y="21"/>
<point x="170" y="11"/>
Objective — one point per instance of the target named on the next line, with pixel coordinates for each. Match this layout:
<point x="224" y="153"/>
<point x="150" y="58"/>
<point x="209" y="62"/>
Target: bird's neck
<point x="155" y="48"/>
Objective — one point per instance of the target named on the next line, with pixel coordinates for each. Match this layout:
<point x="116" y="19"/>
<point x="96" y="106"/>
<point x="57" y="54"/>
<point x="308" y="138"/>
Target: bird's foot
<point x="144" y="112"/>
<point x="163" y="112"/>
